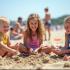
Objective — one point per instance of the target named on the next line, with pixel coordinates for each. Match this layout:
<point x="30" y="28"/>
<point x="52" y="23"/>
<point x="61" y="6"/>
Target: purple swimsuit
<point x="34" y="44"/>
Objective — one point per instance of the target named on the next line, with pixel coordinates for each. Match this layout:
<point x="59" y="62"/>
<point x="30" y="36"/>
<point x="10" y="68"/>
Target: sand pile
<point x="34" y="61"/>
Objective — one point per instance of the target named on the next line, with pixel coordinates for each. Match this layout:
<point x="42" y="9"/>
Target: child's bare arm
<point x="40" y="48"/>
<point x="6" y="47"/>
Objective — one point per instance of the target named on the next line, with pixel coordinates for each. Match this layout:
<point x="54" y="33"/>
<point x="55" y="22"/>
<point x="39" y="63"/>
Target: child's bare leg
<point x="45" y="37"/>
<point x="45" y="50"/>
<point x="3" y="51"/>
<point x="59" y="51"/>
<point x="22" y="48"/>
<point x="65" y="51"/>
<point x="9" y="54"/>
<point x="45" y="34"/>
<point x="48" y="33"/>
<point x="12" y="53"/>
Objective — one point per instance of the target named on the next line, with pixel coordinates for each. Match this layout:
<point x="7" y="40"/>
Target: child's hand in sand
<point x="15" y="52"/>
<point x="31" y="50"/>
<point x="36" y="50"/>
<point x="65" y="58"/>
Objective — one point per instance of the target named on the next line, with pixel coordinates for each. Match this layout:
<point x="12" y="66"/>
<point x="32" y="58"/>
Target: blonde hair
<point x="66" y="20"/>
<point x="40" y="29"/>
<point x="3" y="20"/>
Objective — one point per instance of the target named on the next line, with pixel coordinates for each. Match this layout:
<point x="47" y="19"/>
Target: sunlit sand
<point x="37" y="61"/>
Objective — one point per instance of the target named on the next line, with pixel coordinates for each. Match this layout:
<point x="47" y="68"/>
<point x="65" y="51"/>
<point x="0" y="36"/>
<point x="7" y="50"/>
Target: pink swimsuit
<point x="34" y="44"/>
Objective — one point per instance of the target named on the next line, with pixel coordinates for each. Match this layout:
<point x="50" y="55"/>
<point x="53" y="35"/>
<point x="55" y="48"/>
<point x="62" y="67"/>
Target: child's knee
<point x="2" y="52"/>
<point x="23" y="49"/>
<point x="10" y="54"/>
<point x="45" y="49"/>
<point x="48" y="49"/>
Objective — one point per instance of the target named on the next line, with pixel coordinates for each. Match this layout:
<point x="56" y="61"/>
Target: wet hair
<point x="39" y="31"/>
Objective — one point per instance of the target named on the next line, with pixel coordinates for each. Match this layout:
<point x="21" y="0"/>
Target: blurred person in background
<point x="47" y="22"/>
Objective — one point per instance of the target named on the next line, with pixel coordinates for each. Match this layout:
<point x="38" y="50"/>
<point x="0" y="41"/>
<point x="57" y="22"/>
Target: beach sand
<point x="38" y="61"/>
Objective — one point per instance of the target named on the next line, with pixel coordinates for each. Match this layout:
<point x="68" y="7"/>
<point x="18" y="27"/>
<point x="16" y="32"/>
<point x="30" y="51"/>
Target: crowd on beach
<point x="33" y="36"/>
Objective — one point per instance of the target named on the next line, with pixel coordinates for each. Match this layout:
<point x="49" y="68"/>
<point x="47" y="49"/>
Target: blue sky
<point x="12" y="9"/>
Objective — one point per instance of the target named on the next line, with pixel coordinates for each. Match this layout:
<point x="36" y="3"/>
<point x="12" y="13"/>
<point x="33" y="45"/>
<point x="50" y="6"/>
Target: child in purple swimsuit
<point x="33" y="36"/>
<point x="33" y="44"/>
